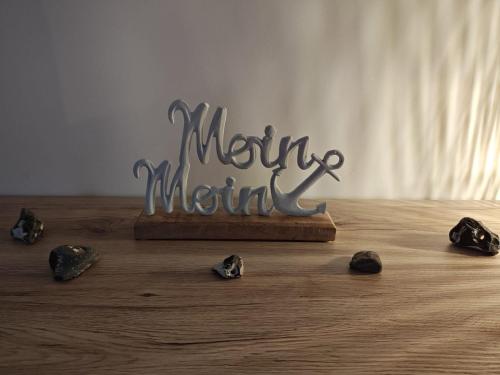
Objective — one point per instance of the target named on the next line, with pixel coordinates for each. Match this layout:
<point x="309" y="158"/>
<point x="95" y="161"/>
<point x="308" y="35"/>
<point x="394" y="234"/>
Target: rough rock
<point x="473" y="234"/>
<point x="28" y="228"/>
<point x="68" y="261"/>
<point x="232" y="267"/>
<point x="366" y="261"/>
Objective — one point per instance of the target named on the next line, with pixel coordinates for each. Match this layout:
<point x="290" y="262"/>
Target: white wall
<point x="408" y="90"/>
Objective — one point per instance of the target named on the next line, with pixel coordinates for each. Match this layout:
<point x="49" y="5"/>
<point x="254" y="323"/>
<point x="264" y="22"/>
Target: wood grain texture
<point x="222" y="226"/>
<point x="155" y="307"/>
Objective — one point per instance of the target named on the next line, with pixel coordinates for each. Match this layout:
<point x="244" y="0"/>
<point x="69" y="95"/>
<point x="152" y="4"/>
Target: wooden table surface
<point x="155" y="307"/>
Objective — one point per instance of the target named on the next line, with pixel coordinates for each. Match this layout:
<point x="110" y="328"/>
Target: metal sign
<point x="205" y="198"/>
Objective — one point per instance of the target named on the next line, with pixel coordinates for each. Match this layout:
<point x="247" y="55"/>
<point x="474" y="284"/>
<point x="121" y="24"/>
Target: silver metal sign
<point x="205" y="198"/>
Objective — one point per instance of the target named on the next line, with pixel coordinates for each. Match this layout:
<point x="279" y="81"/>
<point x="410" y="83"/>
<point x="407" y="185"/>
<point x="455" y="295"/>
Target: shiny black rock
<point x="366" y="261"/>
<point x="68" y="262"/>
<point x="232" y="267"/>
<point x="28" y="228"/>
<point x="473" y="234"/>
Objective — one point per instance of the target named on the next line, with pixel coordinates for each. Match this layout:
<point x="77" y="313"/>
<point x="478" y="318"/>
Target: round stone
<point x="366" y="261"/>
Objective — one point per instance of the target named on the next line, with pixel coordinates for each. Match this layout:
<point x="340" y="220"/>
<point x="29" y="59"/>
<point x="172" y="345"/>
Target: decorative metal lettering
<point x="205" y="198"/>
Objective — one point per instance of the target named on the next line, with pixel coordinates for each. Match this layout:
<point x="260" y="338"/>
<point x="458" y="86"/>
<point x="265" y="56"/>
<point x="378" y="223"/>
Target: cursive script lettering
<point x="205" y="198"/>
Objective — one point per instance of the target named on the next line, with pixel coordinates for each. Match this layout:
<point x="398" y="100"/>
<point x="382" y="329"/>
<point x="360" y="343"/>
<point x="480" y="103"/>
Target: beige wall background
<point x="409" y="91"/>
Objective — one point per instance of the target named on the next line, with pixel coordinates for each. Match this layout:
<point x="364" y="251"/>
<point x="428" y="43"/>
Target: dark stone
<point x="231" y="268"/>
<point x="68" y="262"/>
<point x="28" y="228"/>
<point x="366" y="261"/>
<point x="473" y="234"/>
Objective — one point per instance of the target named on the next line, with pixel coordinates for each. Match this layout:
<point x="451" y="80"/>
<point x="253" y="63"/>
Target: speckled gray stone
<point x="68" y="261"/>
<point x="28" y="228"/>
<point x="473" y="234"/>
<point x="366" y="261"/>
<point x="231" y="268"/>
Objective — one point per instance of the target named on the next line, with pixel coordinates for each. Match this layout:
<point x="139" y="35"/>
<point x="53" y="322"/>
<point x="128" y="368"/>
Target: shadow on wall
<point x="435" y="97"/>
<point x="408" y="91"/>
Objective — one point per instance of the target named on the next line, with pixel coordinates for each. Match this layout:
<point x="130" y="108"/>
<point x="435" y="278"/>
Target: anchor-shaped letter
<point x="288" y="203"/>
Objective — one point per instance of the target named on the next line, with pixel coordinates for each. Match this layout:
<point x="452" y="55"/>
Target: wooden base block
<point x="221" y="226"/>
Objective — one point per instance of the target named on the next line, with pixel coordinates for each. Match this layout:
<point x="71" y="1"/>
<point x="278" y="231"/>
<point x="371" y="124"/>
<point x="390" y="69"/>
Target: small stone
<point x="28" y="227"/>
<point x="473" y="234"/>
<point x="68" y="262"/>
<point x="231" y="268"/>
<point x="366" y="261"/>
